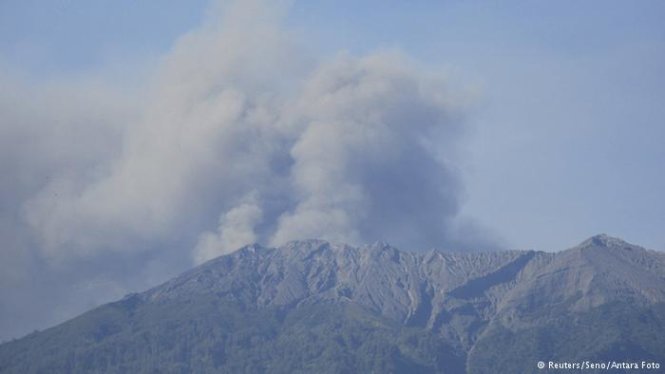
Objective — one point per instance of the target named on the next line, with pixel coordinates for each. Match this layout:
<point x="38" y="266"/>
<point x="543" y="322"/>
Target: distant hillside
<point x="316" y="307"/>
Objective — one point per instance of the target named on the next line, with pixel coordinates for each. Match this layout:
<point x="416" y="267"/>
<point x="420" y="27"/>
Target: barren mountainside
<point x="315" y="306"/>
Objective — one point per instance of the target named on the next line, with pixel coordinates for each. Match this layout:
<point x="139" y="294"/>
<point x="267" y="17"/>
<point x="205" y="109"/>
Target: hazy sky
<point x="139" y="138"/>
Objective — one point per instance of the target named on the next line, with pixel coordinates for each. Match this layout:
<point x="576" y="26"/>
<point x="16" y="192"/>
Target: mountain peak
<point x="390" y="311"/>
<point x="604" y="241"/>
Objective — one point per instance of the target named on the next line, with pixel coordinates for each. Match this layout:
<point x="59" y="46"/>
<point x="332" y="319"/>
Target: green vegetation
<point x="612" y="332"/>
<point x="206" y="334"/>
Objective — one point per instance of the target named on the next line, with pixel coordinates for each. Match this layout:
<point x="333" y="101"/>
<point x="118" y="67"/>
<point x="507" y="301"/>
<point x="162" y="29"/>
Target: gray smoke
<point x="238" y="138"/>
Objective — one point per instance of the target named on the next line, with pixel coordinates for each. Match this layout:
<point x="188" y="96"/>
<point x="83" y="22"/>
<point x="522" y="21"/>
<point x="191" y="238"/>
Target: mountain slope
<point x="313" y="306"/>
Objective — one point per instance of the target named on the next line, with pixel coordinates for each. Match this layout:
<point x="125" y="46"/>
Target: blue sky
<point x="130" y="157"/>
<point x="66" y="36"/>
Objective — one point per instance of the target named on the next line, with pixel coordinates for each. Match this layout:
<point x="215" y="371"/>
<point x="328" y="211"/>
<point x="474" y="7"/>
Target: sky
<point x="138" y="139"/>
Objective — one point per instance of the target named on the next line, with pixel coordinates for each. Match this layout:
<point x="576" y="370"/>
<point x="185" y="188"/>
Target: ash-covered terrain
<point x="318" y="307"/>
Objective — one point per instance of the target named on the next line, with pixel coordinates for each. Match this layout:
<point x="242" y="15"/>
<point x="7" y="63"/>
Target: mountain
<point x="314" y="306"/>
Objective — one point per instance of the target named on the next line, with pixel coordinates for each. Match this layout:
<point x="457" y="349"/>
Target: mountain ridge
<point x="459" y="302"/>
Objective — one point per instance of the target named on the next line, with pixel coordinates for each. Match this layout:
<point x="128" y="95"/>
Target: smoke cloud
<point x="239" y="137"/>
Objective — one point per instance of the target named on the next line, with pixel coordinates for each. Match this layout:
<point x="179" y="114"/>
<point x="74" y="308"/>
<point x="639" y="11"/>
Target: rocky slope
<point x="324" y="307"/>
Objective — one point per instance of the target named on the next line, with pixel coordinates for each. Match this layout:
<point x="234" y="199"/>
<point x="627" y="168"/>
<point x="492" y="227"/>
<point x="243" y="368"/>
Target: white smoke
<point x="237" y="227"/>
